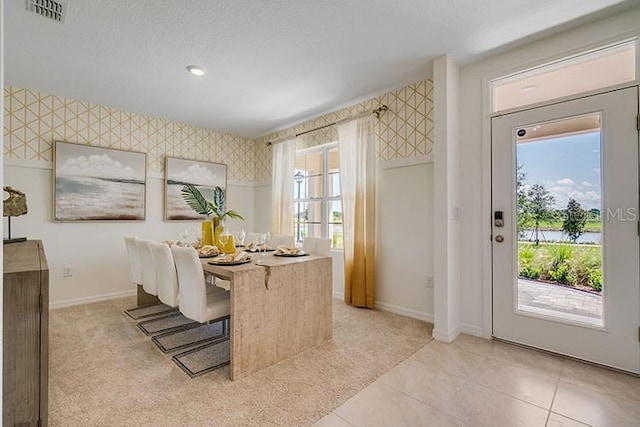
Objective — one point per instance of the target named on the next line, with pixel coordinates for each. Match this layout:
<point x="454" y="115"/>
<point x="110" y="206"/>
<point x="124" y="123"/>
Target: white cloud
<point x="559" y="190"/>
<point x="566" y="181"/>
<point x="197" y="174"/>
<point x="98" y="166"/>
<point x="566" y="189"/>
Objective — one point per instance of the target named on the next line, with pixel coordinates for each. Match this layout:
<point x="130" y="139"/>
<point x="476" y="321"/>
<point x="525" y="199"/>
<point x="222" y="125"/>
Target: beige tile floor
<point x="476" y="382"/>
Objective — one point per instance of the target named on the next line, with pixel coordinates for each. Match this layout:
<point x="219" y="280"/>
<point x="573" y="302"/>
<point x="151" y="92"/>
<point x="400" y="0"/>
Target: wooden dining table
<point x="280" y="306"/>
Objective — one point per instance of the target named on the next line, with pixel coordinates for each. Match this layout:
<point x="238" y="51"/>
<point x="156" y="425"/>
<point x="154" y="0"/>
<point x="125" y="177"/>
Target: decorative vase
<point x="227" y="247"/>
<point x="207" y="232"/>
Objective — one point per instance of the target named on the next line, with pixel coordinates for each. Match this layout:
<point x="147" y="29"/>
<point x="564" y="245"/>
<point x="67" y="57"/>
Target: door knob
<point x="499" y="239"/>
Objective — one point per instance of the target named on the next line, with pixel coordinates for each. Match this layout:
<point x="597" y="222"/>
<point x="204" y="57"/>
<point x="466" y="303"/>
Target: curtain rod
<point x="376" y="112"/>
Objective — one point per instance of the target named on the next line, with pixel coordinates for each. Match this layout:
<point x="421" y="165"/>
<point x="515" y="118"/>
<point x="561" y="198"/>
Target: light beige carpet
<point x="105" y="372"/>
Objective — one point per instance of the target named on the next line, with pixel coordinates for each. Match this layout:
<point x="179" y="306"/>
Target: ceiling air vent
<point x="51" y="9"/>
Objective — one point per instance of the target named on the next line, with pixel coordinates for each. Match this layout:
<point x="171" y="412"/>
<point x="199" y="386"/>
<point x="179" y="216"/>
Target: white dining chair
<point x="166" y="278"/>
<point x="149" y="280"/>
<point x="135" y="265"/>
<point x="195" y="303"/>
<point x="316" y="246"/>
<point x="281" y="240"/>
<point x="252" y="238"/>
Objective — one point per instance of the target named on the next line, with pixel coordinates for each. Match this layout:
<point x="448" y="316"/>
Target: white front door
<point x="565" y="228"/>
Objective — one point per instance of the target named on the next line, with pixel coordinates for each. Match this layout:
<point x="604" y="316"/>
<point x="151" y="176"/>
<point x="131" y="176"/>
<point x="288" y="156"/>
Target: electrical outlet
<point x="428" y="282"/>
<point x="66" y="271"/>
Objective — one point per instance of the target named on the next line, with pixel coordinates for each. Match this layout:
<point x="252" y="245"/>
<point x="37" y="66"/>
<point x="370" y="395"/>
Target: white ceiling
<point x="270" y="63"/>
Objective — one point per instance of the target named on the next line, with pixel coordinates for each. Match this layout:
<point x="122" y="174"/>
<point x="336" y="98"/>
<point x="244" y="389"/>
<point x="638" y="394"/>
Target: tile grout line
<point x="616" y="395"/>
<point x="485" y="358"/>
<point x="469" y="380"/>
<point x="555" y="392"/>
<point x="420" y="401"/>
<point x="346" y="421"/>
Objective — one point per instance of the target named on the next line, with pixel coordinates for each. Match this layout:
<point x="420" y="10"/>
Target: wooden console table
<point x="26" y="329"/>
<point x="278" y="308"/>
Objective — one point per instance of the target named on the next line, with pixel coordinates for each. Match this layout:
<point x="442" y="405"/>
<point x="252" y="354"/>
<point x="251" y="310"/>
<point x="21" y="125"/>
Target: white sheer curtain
<point x="284" y="156"/>
<point x="358" y="188"/>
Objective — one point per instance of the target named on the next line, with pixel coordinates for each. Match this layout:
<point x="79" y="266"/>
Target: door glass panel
<point x="559" y="219"/>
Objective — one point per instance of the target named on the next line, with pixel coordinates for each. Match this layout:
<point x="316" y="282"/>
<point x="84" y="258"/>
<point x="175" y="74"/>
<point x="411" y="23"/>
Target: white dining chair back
<point x="166" y="278"/>
<point x="316" y="246"/>
<point x="281" y="240"/>
<point x="149" y="280"/>
<point x="135" y="265"/>
<point x="252" y="238"/>
<point x="195" y="302"/>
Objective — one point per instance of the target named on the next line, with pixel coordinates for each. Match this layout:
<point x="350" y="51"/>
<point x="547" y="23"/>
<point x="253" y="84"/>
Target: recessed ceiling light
<point x="529" y="88"/>
<point x="196" y="70"/>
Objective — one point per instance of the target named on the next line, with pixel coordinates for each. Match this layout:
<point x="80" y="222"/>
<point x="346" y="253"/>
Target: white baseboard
<point x="88" y="300"/>
<point x="446" y="336"/>
<point x="414" y="314"/>
<point x="407" y="312"/>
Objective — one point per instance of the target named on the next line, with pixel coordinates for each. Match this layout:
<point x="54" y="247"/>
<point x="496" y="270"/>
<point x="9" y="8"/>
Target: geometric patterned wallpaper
<point x="405" y="130"/>
<point x="33" y="121"/>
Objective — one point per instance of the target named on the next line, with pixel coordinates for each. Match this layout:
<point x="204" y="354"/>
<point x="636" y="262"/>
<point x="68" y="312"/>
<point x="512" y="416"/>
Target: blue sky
<point x="567" y="166"/>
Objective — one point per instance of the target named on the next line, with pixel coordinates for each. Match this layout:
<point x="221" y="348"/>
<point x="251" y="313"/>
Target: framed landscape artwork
<point x="204" y="175"/>
<point x="94" y="183"/>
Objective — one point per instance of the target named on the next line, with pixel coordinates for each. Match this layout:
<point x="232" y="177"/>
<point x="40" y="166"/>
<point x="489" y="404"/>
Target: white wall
<point x="95" y="250"/>
<point x="404" y="254"/>
<point x="262" y="203"/>
<point x="475" y="209"/>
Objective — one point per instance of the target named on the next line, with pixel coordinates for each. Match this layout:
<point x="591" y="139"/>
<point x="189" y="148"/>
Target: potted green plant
<point x="215" y="211"/>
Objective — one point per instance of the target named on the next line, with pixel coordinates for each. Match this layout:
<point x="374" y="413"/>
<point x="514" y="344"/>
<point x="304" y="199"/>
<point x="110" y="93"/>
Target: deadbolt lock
<point x="499" y="239"/>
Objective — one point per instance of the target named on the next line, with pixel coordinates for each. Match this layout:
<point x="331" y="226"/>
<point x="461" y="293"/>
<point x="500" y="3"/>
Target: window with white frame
<point x="596" y="69"/>
<point x="316" y="190"/>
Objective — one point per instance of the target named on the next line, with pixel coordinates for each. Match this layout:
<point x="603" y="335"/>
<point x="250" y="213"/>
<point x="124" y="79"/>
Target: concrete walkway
<point x="559" y="301"/>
